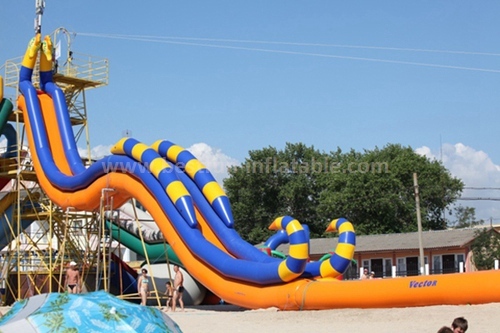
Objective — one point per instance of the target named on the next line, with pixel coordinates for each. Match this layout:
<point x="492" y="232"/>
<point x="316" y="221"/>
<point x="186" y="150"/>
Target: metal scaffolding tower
<point x="41" y="238"/>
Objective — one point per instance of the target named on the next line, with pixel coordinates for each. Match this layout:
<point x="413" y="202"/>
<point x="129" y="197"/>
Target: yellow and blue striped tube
<point x="340" y="260"/>
<point x="46" y="72"/>
<point x="31" y="54"/>
<point x="163" y="171"/>
<point x="29" y="60"/>
<point x="295" y="263"/>
<point x="201" y="176"/>
<point x="46" y="58"/>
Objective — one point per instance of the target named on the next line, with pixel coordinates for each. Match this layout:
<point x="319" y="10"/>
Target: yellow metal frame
<point x="34" y="263"/>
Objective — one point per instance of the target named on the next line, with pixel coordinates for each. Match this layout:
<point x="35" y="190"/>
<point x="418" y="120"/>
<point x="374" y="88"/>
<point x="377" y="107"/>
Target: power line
<point x="165" y="41"/>
<point x="291" y="44"/>
<point x="478" y="198"/>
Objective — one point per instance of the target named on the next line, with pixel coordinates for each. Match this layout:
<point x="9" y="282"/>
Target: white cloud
<point x="425" y="151"/>
<point x="476" y="169"/>
<point x="97" y="152"/>
<point x="214" y="160"/>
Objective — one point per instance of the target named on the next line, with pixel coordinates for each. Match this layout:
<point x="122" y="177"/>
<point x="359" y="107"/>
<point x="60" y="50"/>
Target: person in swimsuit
<point x="72" y="279"/>
<point x="178" y="288"/>
<point x="169" y="292"/>
<point x="143" y="286"/>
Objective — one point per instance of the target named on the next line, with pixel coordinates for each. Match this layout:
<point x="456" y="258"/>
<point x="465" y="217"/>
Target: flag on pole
<point x="58" y="50"/>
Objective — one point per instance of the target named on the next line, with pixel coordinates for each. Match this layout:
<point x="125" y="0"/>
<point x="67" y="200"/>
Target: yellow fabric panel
<point x="276" y="224"/>
<point x="345" y="250"/>
<point x="29" y="59"/>
<point x="138" y="150"/>
<point x="175" y="190"/>
<point x="157" y="165"/>
<point x="156" y="145"/>
<point x="293" y="226"/>
<point x="326" y="269"/>
<point x="117" y="149"/>
<point x="346" y="226"/>
<point x="284" y="273"/>
<point x="173" y="152"/>
<point x="212" y="191"/>
<point x="193" y="166"/>
<point x="299" y="251"/>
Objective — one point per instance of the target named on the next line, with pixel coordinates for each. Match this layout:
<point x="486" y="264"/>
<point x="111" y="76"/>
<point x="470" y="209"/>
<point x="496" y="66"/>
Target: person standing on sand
<point x="72" y="280"/>
<point x="169" y="293"/>
<point x="143" y="286"/>
<point x="178" y="288"/>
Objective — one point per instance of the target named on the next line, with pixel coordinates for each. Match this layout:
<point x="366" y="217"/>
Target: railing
<point x="85" y="67"/>
<point x="90" y="69"/>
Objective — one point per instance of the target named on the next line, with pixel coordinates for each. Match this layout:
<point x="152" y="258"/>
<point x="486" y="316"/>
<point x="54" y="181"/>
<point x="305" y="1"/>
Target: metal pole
<point x="108" y="278"/>
<point x="39" y="7"/>
<point x="419" y="223"/>
<point x="101" y="234"/>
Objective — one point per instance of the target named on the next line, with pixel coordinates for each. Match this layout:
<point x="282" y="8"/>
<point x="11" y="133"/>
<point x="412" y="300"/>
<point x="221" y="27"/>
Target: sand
<point x="227" y="318"/>
<point x="482" y="318"/>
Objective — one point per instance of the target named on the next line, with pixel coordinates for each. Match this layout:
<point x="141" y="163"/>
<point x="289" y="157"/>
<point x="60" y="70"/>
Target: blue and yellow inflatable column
<point x="201" y="176"/>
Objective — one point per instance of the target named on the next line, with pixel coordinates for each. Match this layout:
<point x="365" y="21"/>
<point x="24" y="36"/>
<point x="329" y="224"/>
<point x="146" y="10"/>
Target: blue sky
<point x="226" y="77"/>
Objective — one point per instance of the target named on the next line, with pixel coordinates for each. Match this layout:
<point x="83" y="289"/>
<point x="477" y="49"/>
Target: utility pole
<point x="419" y="224"/>
<point x="39" y="7"/>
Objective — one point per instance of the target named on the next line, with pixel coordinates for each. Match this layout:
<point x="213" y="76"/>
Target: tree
<point x="465" y="217"/>
<point x="373" y="189"/>
<point x="272" y="183"/>
<point x="485" y="248"/>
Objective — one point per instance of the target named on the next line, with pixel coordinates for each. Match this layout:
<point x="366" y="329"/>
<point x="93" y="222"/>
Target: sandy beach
<point x="228" y="318"/>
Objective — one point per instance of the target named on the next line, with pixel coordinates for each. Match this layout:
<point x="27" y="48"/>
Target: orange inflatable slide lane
<point x="175" y="203"/>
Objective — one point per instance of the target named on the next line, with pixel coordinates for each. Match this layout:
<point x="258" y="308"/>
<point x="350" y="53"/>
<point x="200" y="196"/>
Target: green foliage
<point x="373" y="189"/>
<point x="465" y="217"/>
<point x="270" y="184"/>
<point x="486" y="248"/>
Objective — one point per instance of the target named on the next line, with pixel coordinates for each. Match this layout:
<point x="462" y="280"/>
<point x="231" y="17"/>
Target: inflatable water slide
<point x="193" y="213"/>
<point x="135" y="229"/>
